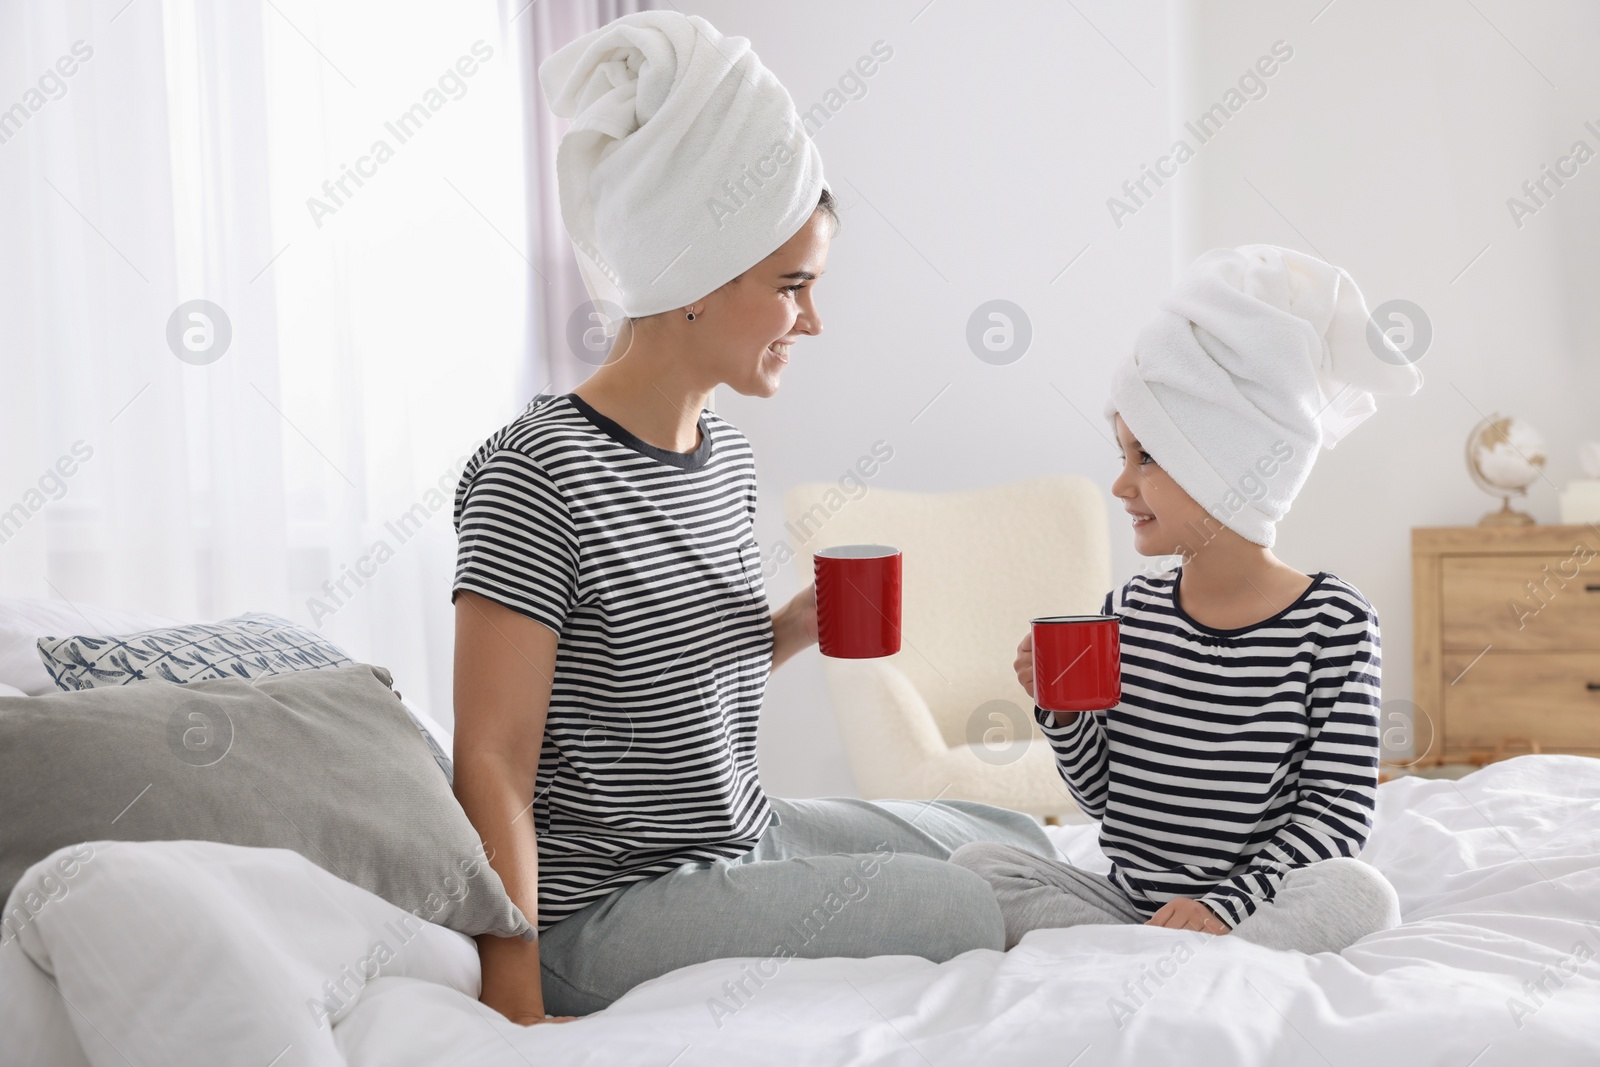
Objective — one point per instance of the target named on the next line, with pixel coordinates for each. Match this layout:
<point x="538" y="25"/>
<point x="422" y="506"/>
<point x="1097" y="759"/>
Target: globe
<point x="1504" y="457"/>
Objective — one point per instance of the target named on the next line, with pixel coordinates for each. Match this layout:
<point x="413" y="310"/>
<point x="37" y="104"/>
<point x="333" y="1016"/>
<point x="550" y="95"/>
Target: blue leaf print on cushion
<point x="246" y="646"/>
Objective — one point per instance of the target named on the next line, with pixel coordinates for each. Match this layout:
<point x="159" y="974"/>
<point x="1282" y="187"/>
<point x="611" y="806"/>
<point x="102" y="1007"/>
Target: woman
<point x="613" y="638"/>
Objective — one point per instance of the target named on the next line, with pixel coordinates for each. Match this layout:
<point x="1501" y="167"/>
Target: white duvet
<point x="195" y="953"/>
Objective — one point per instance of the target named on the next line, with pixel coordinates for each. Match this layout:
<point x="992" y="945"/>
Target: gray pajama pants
<point x="1323" y="907"/>
<point x="832" y="877"/>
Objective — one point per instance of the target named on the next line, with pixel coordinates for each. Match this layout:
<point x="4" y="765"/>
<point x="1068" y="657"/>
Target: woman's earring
<point x="690" y="316"/>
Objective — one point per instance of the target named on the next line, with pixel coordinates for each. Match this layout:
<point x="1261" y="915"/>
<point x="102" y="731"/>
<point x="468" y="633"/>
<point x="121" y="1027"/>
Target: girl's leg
<point x="1037" y="893"/>
<point x="1325" y="906"/>
<point x="832" y="877"/>
<point x="908" y="827"/>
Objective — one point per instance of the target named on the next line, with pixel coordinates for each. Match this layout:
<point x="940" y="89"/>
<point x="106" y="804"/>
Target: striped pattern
<point x="646" y="564"/>
<point x="1235" y="755"/>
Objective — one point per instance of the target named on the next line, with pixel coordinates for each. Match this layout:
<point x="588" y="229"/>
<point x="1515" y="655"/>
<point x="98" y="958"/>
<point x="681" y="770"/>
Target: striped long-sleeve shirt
<point x="1234" y="755"/>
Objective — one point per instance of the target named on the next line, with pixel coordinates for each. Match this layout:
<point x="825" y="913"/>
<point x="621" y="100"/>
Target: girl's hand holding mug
<point x="1072" y="663"/>
<point x="1024" y="664"/>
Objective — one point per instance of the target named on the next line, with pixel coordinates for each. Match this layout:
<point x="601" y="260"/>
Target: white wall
<point x="975" y="167"/>
<point x="1389" y="144"/>
<point x="984" y="152"/>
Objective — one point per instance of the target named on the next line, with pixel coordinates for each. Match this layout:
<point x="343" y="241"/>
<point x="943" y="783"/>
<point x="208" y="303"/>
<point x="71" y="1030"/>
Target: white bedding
<point x="195" y="953"/>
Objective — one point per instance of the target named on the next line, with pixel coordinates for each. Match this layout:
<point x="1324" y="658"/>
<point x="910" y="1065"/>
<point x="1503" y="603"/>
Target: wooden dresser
<point x="1507" y="641"/>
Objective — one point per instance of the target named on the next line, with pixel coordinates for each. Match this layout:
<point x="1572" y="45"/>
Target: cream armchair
<point x="945" y="717"/>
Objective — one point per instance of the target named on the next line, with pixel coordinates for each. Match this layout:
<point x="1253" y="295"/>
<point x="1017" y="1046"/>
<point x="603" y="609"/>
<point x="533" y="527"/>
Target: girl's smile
<point x="1165" y="520"/>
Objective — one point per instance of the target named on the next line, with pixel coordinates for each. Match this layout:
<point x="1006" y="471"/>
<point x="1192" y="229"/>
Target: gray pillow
<point x="324" y="762"/>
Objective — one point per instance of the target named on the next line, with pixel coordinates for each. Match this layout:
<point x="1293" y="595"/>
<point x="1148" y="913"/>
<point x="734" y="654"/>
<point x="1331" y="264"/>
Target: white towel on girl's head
<point x="685" y="164"/>
<point x="1259" y="357"/>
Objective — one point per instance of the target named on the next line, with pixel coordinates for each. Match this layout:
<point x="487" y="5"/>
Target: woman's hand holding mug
<point x="794" y="626"/>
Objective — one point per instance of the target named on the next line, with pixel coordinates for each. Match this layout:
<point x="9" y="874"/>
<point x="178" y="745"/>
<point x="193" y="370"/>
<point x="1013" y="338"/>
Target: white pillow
<point x="10" y="691"/>
<point x="23" y="620"/>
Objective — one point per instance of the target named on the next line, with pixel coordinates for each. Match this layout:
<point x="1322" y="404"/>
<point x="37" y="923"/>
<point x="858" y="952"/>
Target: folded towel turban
<point x="685" y="164"/>
<point x="1259" y="357"/>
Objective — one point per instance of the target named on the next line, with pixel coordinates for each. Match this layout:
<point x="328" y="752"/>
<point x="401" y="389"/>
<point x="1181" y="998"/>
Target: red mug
<point x="858" y="601"/>
<point x="1077" y="662"/>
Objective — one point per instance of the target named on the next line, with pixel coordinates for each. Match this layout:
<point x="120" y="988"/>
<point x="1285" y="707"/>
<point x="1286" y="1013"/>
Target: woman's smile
<point x="779" y="350"/>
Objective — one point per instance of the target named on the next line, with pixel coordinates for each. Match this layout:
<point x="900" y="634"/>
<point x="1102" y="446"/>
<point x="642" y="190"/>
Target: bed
<point x="195" y="952"/>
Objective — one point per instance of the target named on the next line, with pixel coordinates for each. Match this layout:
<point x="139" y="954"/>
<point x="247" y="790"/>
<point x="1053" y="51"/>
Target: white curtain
<point x="568" y="336"/>
<point x="348" y="184"/>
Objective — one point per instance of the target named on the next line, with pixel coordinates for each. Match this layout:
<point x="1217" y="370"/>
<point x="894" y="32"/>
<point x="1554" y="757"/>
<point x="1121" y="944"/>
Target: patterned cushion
<point x="249" y="646"/>
<point x="246" y="646"/>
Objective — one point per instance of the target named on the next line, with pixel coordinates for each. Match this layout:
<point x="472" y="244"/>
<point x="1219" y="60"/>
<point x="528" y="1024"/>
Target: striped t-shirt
<point x="645" y="564"/>
<point x="1234" y="755"/>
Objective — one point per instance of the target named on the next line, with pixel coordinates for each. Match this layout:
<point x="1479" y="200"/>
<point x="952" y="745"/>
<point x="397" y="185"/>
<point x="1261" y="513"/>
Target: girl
<point x="1235" y="781"/>
<point x="613" y="638"/>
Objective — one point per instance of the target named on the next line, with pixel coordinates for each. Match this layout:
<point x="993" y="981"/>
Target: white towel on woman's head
<point x="685" y="164"/>
<point x="1259" y="357"/>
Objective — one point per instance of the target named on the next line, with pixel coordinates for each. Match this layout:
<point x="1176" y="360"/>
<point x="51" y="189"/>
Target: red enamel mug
<point x="1077" y="662"/>
<point x="858" y="601"/>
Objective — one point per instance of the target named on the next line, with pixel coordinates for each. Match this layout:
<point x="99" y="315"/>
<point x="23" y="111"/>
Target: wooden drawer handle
<point x="1592" y="587"/>
<point x="1592" y="686"/>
